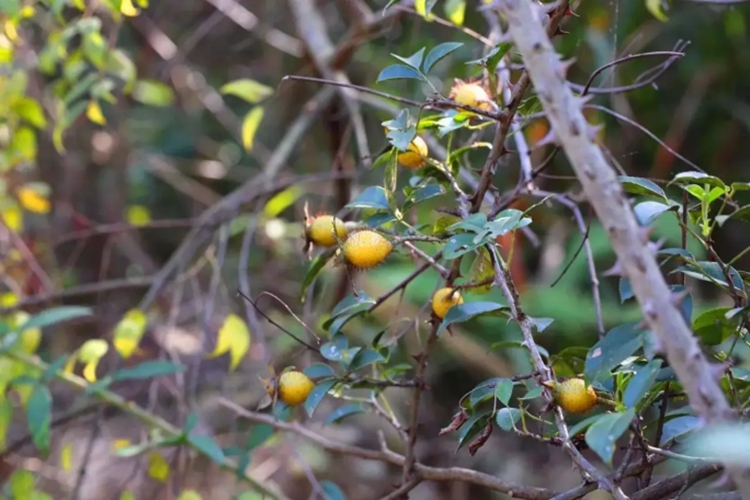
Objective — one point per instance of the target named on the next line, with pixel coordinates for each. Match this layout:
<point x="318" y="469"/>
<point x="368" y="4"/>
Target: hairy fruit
<point x="415" y="156"/>
<point x="471" y="94"/>
<point x="365" y="249"/>
<point x="573" y="396"/>
<point x="321" y="230"/>
<point x="444" y="299"/>
<point x="292" y="387"/>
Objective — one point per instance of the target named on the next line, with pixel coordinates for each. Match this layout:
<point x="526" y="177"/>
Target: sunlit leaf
<point x="153" y="93"/>
<point x="66" y="457"/>
<point x="94" y="113"/>
<point x="399" y="72"/>
<point x="32" y="200"/>
<point x="190" y="495"/>
<point x="372" y="197"/>
<point x="247" y="90"/>
<point x="603" y="434"/>
<point x="128" y="332"/>
<point x="138" y="215"/>
<point x="465" y="312"/>
<point x="250" y="126"/>
<point x="158" y="467"/>
<point x="128" y="9"/>
<point x="234" y="338"/>
<point x="31" y="111"/>
<point x="455" y="10"/>
<point x="21" y="484"/>
<point x="90" y="353"/>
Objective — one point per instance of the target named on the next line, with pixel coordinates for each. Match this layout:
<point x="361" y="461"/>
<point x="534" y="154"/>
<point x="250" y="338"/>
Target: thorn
<point x="564" y="66"/>
<point x="560" y="31"/>
<point x="643" y="325"/>
<point x="678" y="297"/>
<point x="569" y="12"/>
<point x="645" y="234"/>
<point x="593" y="130"/>
<point x="616" y="270"/>
<point x="718" y="370"/>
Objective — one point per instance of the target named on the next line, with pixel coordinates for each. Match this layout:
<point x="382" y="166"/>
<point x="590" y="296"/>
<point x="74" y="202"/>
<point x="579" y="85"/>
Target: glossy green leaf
<point x="639" y="185"/>
<point x="399" y="72"/>
<point x="464" y="312"/>
<point x="641" y="383"/>
<point x="314" y="269"/>
<point x="647" y="212"/>
<point x="603" y="434"/>
<point x="38" y="418"/>
<point x="372" y="197"/>
<point x="472" y="427"/>
<point x="318" y="370"/>
<point x="698" y="178"/>
<point x="317" y="395"/>
<point x="208" y="447"/>
<point x="148" y="369"/>
<point x="678" y="427"/>
<point x="414" y="60"/>
<point x="439" y="52"/>
<point x="504" y="390"/>
<point x="345" y="411"/>
<point x="713" y="327"/>
<point x="363" y="358"/>
<point x="617" y="345"/>
<point x="423" y="193"/>
<point x="460" y="244"/>
<point x="55" y="315"/>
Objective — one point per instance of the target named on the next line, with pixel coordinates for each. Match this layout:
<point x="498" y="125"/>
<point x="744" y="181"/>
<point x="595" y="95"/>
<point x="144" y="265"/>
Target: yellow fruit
<point x="444" y="299"/>
<point x="293" y="387"/>
<point x="471" y="94"/>
<point x="415" y="156"/>
<point x="573" y="396"/>
<point x="320" y="230"/>
<point x="366" y="249"/>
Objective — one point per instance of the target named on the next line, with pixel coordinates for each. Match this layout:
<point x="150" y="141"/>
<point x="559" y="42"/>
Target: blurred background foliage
<point x="132" y="131"/>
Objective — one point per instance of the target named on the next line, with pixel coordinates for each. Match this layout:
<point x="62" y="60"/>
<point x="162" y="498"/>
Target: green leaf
<point x="248" y="90"/>
<point x="541" y="324"/>
<point x="648" y="211"/>
<point x="626" y="291"/>
<point x="728" y="441"/>
<point x="639" y="185"/>
<point x="31" y="111"/>
<point x="390" y="178"/>
<point x="331" y="491"/>
<point x="617" y="345"/>
<point x="153" y="93"/>
<point x="414" y="60"/>
<point x="38" y="417"/>
<point x="424" y="7"/>
<point x="54" y="316"/>
<point x="713" y="327"/>
<point x="343" y="412"/>
<point x="401" y="138"/>
<point x="314" y="269"/>
<point x="655" y="8"/>
<point x="641" y="383"/>
<point x="250" y="126"/>
<point x="699" y="178"/>
<point x="472" y="427"/>
<point x="372" y="197"/>
<point x="438" y="53"/>
<point x="678" y="427"/>
<point x="504" y="390"/>
<point x="351" y="302"/>
<point x="318" y="370"/>
<point x="482" y="270"/>
<point x="686" y="306"/>
<point x="483" y="391"/>
<point x="148" y="369"/>
<point x="317" y="395"/>
<point x="121" y="66"/>
<point x="711" y="272"/>
<point x="363" y="358"/>
<point x="506" y="418"/>
<point x="21" y="484"/>
<point x="583" y="425"/>
<point x="207" y="446"/>
<point x="460" y="244"/>
<point x="493" y="57"/>
<point x="23" y="143"/>
<point x="399" y="72"/>
<point x="259" y="434"/>
<point x="334" y="350"/>
<point x="423" y="193"/>
<point x="474" y="223"/>
<point x="455" y="11"/>
<point x="464" y="312"/>
<point x="606" y="430"/>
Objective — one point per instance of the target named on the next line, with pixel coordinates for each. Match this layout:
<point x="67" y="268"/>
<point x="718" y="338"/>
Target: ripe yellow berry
<point x="320" y="230"/>
<point x="471" y="94"/>
<point x="415" y="156"/>
<point x="365" y="249"/>
<point x="444" y="299"/>
<point x="573" y="396"/>
<point x="293" y="387"/>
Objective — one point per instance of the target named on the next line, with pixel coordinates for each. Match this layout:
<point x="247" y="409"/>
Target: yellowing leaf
<point x="13" y="218"/>
<point x="23" y="143"/>
<point x="142" y="3"/>
<point x="654" y="7"/>
<point x="153" y="93"/>
<point x="129" y="331"/>
<point x="31" y="111"/>
<point x="89" y="354"/>
<point x="30" y="337"/>
<point x="282" y="201"/>
<point x="138" y="215"/>
<point x="8" y="299"/>
<point x="189" y="495"/>
<point x="455" y="11"/>
<point x="234" y="337"/>
<point x="126" y="495"/>
<point x="10" y="30"/>
<point x="32" y="201"/>
<point x="247" y="90"/>
<point x="158" y="467"/>
<point x="94" y="113"/>
<point x="66" y="457"/>
<point x="27" y="12"/>
<point x="250" y="126"/>
<point x="128" y="9"/>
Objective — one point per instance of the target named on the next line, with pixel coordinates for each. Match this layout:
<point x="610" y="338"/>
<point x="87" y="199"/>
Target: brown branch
<point x="425" y="472"/>
<point x="666" y="487"/>
<point x="603" y="190"/>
